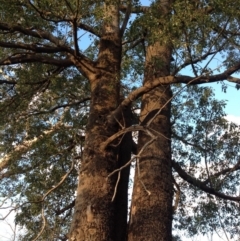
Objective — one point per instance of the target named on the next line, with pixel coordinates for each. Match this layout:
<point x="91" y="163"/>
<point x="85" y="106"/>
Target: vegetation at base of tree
<point x="88" y="88"/>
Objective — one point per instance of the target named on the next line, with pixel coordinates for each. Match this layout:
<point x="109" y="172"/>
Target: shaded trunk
<point x="151" y="214"/>
<point x="95" y="212"/>
<point x="121" y="199"/>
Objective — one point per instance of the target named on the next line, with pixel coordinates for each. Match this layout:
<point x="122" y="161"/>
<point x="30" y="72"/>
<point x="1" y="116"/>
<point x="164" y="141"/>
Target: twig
<point x="129" y="162"/>
<point x="220" y="221"/>
<point x="122" y="167"/>
<point x="43" y="225"/>
<point x="119" y="175"/>
<point x="137" y="163"/>
<point x="138" y="169"/>
<point x="178" y="194"/>
<point x="115" y="189"/>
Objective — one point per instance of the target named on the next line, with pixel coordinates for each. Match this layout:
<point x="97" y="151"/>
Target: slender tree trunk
<point x="151" y="213"/>
<point x="95" y="212"/>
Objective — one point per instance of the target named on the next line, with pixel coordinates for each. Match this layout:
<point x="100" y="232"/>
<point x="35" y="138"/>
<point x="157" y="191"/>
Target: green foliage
<point x="204" y="142"/>
<point x="44" y="107"/>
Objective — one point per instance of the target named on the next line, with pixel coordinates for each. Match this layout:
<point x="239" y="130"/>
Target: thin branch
<point x="133" y="44"/>
<point x="44" y="14"/>
<point x="194" y="61"/>
<point x="190" y="53"/>
<point x="104" y="145"/>
<point x="137" y="162"/>
<point x="124" y="166"/>
<point x="43" y="225"/>
<point x="199" y="184"/>
<point x="189" y="143"/>
<point x="69" y="6"/>
<point x="116" y="185"/>
<point x="221" y="223"/>
<point x="178" y="195"/>
<point x="229" y="170"/>
<point x="63" y="178"/>
<point x="203" y="57"/>
<point x="13" y="209"/>
<point x="52" y="109"/>
<point x="212" y="176"/>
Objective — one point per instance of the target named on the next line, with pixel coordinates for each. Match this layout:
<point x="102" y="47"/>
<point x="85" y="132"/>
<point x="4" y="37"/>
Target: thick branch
<point x="7" y="82"/>
<point x="138" y="9"/>
<point x="40" y="34"/>
<point x="104" y="145"/>
<point x="26" y="145"/>
<point x="136" y="94"/>
<point x="167" y="80"/>
<point x="33" y="47"/>
<point x="89" y="29"/>
<point x="69" y="206"/>
<point x="222" y="172"/>
<point x="126" y="18"/>
<point x="199" y="184"/>
<point x="30" y="58"/>
<point x="75" y="38"/>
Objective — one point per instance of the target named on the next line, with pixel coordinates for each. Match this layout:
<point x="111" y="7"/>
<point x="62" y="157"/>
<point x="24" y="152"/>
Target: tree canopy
<point x="88" y="88"/>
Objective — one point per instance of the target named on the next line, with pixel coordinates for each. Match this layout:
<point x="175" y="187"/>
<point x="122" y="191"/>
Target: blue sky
<point x="232" y="96"/>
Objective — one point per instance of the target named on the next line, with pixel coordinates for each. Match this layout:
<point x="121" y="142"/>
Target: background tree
<point x="60" y="96"/>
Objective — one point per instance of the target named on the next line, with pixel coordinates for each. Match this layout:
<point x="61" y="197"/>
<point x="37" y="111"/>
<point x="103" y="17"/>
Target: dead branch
<point x="25" y="145"/>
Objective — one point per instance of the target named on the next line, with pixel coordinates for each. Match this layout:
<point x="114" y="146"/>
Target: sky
<point x="232" y="96"/>
<point x="232" y="109"/>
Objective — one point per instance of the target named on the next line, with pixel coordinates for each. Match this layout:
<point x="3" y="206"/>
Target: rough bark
<point x="94" y="210"/>
<point x="151" y="209"/>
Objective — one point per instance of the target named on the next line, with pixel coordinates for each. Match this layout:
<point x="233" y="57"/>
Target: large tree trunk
<point x="151" y="213"/>
<point x="95" y="212"/>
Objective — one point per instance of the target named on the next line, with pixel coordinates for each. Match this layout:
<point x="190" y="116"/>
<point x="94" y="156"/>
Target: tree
<point x="66" y="113"/>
